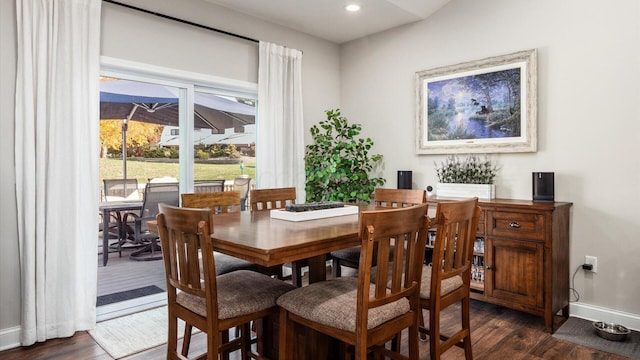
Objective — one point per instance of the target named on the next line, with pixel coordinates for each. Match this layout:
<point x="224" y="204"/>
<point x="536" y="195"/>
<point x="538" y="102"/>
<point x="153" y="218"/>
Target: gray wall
<point x="588" y="115"/>
<point x="134" y="36"/>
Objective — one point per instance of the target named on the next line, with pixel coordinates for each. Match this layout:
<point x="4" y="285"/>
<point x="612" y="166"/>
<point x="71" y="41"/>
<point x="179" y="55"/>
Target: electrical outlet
<point x="592" y="260"/>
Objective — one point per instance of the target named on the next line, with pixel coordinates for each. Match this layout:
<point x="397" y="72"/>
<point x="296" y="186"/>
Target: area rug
<point x="134" y="333"/>
<point x="128" y="295"/>
<point x="580" y="331"/>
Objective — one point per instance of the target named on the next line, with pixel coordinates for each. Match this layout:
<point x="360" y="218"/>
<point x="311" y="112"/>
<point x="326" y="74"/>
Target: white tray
<point x="313" y="214"/>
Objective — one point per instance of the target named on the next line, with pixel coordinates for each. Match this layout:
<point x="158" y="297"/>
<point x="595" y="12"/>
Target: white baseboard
<point x="10" y="338"/>
<point x="597" y="313"/>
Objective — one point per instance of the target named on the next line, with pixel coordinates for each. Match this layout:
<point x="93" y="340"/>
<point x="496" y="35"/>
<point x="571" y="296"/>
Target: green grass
<point x="143" y="170"/>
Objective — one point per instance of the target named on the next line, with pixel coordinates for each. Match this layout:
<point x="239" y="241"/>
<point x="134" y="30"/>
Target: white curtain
<point x="280" y="134"/>
<point x="56" y="137"/>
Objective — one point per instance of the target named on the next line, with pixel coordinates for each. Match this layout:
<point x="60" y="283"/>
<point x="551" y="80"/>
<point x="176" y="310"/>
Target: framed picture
<point x="483" y="106"/>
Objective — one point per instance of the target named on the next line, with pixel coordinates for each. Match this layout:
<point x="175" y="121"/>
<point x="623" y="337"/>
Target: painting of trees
<point x="486" y="105"/>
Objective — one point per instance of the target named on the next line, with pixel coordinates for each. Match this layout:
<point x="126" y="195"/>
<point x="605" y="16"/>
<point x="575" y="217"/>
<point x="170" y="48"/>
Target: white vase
<point x="482" y="191"/>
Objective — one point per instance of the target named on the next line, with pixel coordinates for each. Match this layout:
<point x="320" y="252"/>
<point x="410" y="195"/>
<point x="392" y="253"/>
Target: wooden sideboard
<point x="524" y="263"/>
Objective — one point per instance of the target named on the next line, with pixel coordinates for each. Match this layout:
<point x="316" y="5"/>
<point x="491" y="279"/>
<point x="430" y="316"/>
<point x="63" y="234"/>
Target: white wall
<point x="130" y="35"/>
<point x="588" y="115"/>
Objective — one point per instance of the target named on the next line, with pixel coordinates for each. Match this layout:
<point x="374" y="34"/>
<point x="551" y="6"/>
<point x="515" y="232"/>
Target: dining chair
<point x="270" y="199"/>
<point x="369" y="310"/>
<point x="202" y="299"/>
<point x="200" y="186"/>
<point x="448" y="282"/>
<point x="154" y="194"/>
<point x="277" y="198"/>
<point x="392" y="198"/>
<point x="220" y="202"/>
<point x="242" y="184"/>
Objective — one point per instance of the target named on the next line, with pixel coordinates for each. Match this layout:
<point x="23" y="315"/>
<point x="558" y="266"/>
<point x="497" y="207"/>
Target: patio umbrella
<point x="158" y="104"/>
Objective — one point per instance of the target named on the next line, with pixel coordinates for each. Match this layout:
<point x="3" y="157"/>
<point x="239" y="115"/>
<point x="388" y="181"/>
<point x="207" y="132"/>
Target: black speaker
<point x="404" y="179"/>
<point x="542" y="186"/>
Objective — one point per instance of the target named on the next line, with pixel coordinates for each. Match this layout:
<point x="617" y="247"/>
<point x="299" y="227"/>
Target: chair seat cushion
<point x="351" y="254"/>
<point x="239" y="293"/>
<point x="333" y="303"/>
<point x="226" y="263"/>
<point x="447" y="286"/>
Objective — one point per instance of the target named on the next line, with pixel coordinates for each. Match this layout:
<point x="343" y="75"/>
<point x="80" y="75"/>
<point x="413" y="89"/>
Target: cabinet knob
<point x="488" y="267"/>
<point x="514" y="224"/>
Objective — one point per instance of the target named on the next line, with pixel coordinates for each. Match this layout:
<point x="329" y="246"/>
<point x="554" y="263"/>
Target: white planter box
<point x="482" y="191"/>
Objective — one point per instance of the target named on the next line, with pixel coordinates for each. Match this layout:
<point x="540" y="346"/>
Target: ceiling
<point x="327" y="19"/>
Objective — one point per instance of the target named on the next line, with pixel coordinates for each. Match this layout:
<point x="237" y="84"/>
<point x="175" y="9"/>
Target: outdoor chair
<point x="391" y="198"/>
<point x="121" y="189"/>
<point x="368" y="311"/>
<point x="448" y="280"/>
<point x="242" y="184"/>
<point x="205" y="186"/>
<point x="154" y="194"/>
<point x="204" y="300"/>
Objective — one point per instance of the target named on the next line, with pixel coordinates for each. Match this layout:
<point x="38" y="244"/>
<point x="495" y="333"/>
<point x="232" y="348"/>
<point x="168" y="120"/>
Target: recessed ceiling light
<point x="352" y="7"/>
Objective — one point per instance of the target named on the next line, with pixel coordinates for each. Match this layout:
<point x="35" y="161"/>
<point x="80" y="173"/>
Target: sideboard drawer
<point x="516" y="225"/>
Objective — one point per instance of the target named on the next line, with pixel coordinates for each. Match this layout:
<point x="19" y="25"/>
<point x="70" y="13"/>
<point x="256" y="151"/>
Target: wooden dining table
<point x="265" y="241"/>
<point x="107" y="207"/>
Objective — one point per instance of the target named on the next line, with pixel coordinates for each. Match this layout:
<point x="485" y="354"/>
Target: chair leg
<point x="172" y="339"/>
<point x="466" y="326"/>
<point x="335" y="268"/>
<point x="361" y="352"/>
<point x="186" y="341"/>
<point x="286" y="340"/>
<point x="434" y="333"/>
<point x="423" y="335"/>
<point x="246" y="341"/>
<point x="224" y="338"/>
<point x="413" y="340"/>
<point x="296" y="273"/>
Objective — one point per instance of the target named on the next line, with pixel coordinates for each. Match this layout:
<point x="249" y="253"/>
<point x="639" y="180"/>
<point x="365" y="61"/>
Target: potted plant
<point x="469" y="177"/>
<point x="338" y="165"/>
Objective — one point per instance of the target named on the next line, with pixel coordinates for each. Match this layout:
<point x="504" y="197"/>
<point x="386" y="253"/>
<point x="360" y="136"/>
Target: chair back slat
<point x="221" y="202"/>
<point x="269" y="199"/>
<point x="201" y="186"/>
<point x="398" y="276"/>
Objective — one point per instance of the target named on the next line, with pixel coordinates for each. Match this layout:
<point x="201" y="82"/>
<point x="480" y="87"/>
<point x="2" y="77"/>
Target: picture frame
<point x="482" y="106"/>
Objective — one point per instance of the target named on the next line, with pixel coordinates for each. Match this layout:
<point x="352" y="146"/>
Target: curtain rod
<point x="182" y="21"/>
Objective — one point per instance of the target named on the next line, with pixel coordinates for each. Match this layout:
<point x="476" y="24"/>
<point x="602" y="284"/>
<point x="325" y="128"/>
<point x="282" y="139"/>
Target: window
<point x="216" y="142"/>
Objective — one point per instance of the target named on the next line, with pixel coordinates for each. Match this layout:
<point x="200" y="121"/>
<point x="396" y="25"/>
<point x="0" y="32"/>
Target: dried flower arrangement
<point x="471" y="170"/>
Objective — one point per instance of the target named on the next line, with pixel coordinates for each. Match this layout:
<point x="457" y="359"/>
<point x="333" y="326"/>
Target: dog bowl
<point x="611" y="331"/>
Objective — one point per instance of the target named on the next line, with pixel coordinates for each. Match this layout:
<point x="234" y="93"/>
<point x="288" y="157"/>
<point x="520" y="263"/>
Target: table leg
<point x="317" y="268"/>
<point x="106" y="215"/>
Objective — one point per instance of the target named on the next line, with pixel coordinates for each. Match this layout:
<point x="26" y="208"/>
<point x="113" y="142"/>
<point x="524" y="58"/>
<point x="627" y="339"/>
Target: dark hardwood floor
<point x="497" y="333"/>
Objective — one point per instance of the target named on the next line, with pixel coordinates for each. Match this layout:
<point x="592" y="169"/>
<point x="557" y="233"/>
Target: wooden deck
<point x="122" y="273"/>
